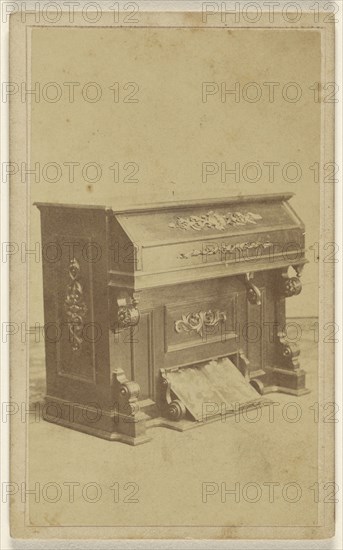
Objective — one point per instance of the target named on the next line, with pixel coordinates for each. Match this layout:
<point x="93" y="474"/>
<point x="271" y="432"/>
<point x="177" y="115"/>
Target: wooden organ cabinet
<point x="166" y="315"/>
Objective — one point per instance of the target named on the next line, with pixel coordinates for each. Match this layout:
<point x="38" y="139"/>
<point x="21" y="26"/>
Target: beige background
<point x="170" y="132"/>
<point x="171" y="469"/>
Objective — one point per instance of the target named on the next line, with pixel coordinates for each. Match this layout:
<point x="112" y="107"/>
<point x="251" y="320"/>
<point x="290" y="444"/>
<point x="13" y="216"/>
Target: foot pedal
<point x="207" y="389"/>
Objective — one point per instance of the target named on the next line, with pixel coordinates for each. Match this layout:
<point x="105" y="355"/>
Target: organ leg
<point x="285" y="375"/>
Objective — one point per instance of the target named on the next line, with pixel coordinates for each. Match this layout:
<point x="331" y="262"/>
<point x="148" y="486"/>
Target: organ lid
<point x="189" y="241"/>
<point x="197" y="220"/>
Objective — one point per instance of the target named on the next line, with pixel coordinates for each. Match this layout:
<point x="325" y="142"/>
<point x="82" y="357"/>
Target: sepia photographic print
<point x="172" y="254"/>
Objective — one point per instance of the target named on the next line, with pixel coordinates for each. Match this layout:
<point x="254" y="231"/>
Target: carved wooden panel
<point x="212" y="319"/>
<point x="74" y="253"/>
<point x="268" y="246"/>
<point x="77" y="328"/>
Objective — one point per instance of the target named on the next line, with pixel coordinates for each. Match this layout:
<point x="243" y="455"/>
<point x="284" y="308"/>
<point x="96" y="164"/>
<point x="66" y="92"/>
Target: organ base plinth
<point x="106" y="424"/>
<point x="281" y="380"/>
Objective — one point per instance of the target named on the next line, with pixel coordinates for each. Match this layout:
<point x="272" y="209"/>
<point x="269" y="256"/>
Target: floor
<point x="257" y="470"/>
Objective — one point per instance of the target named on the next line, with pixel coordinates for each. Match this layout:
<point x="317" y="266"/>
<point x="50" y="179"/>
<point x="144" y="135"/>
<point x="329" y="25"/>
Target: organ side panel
<point x="75" y="303"/>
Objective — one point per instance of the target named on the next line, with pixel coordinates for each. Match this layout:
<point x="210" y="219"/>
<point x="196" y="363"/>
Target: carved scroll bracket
<point x="254" y="294"/>
<point x="129" y="419"/>
<point x="288" y="353"/>
<point x="126" y="394"/>
<point x="298" y="269"/>
<point x="172" y="408"/>
<point x="291" y="286"/>
<point x="128" y="314"/>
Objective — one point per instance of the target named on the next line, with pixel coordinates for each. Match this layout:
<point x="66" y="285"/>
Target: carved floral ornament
<point x="225" y="248"/>
<point x="215" y="220"/>
<point x="128" y="316"/>
<point x="200" y="321"/>
<point x="75" y="306"/>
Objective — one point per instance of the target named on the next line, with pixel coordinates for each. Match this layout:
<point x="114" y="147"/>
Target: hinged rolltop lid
<point x="199" y="220"/>
<point x="197" y="240"/>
